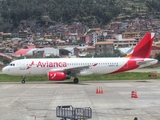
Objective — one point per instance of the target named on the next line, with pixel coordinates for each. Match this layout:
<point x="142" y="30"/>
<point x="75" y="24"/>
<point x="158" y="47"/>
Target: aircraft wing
<point x="75" y="68"/>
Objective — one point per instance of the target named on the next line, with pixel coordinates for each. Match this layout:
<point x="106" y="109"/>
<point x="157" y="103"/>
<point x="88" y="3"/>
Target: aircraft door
<point x="22" y="65"/>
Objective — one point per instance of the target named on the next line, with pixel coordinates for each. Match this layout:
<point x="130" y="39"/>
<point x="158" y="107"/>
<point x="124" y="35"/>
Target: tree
<point x="6" y="60"/>
<point x="13" y="11"/>
<point x="157" y="56"/>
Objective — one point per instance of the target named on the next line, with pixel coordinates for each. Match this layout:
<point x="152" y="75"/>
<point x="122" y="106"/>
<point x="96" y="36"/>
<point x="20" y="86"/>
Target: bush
<point x="6" y="60"/>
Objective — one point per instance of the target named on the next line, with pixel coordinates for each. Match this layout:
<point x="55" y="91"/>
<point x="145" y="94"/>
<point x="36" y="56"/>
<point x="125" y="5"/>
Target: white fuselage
<point x="30" y="67"/>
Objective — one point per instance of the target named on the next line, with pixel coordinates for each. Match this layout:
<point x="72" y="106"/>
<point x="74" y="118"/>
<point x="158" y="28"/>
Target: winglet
<point x="143" y="48"/>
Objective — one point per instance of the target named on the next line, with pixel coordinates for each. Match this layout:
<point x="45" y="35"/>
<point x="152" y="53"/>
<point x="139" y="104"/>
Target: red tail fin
<point x="143" y="48"/>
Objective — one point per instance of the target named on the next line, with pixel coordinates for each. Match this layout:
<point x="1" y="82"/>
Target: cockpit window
<point x="12" y="64"/>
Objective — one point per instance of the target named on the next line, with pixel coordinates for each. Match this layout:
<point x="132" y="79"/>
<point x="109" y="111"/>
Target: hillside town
<point x="77" y="40"/>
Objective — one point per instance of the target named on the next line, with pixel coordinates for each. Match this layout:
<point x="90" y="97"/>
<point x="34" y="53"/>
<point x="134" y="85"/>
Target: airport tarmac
<point x="38" y="100"/>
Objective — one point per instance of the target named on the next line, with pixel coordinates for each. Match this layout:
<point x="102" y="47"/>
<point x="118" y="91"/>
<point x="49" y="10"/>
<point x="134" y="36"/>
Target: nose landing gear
<point x="23" y="80"/>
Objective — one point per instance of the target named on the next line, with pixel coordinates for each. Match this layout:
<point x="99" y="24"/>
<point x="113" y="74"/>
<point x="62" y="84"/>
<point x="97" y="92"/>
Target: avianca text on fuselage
<point x="51" y="64"/>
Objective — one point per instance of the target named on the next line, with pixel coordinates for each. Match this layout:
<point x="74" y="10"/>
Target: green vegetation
<point x="116" y="53"/>
<point x="5" y="60"/>
<point x="94" y="13"/>
<point x="119" y="76"/>
<point x="157" y="56"/>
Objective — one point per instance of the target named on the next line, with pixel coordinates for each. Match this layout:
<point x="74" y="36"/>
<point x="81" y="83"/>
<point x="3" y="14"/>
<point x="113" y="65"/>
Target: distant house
<point x="80" y="51"/>
<point x="101" y="38"/>
<point x="24" y="52"/>
<point x="115" y="25"/>
<point x="73" y="36"/>
<point x="135" y="35"/>
<point x="94" y="38"/>
<point x="23" y="34"/>
<point x="92" y="30"/>
<point x="87" y="39"/>
<point x="39" y="52"/>
<point x="104" y="47"/>
<point x="6" y="36"/>
<point x="90" y="49"/>
<point x="130" y="42"/>
<point x="82" y="39"/>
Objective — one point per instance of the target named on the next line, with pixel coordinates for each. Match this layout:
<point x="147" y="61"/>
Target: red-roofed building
<point x="23" y="52"/>
<point x="3" y="55"/>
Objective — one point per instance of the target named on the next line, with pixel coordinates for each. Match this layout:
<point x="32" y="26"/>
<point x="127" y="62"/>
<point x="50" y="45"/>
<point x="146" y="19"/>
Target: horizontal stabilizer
<point x="147" y="61"/>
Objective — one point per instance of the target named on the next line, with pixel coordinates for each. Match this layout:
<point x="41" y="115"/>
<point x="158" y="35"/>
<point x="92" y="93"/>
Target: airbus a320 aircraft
<point x="59" y="69"/>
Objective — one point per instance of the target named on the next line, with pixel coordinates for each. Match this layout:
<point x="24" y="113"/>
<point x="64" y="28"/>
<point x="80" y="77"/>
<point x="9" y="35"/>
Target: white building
<point x="94" y="38"/>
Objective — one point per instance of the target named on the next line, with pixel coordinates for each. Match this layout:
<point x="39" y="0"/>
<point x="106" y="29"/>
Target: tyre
<point x="23" y="81"/>
<point x="76" y="80"/>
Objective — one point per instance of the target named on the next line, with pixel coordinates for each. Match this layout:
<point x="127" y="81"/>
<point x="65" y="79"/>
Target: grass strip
<point x="94" y="77"/>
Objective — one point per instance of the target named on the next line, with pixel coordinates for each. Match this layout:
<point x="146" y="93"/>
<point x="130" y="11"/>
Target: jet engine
<point x="57" y="76"/>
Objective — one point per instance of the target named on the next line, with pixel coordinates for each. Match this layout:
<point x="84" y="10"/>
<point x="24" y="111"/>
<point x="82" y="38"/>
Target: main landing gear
<point x="23" y="79"/>
<point x="76" y="80"/>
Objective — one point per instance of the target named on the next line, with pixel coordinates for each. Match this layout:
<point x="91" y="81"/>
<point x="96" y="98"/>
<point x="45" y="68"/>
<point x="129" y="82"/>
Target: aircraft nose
<point x="4" y="70"/>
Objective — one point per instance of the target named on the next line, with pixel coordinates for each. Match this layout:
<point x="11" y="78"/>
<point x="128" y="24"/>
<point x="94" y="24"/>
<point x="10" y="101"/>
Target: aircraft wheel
<point x="76" y="80"/>
<point x="23" y="81"/>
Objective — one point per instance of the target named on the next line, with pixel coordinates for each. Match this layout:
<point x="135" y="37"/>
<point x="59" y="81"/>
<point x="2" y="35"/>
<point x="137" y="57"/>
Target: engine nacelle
<point x="57" y="76"/>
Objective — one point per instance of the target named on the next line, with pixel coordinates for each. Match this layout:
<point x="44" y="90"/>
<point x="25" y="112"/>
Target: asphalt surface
<point x="38" y="100"/>
<point x="155" y="70"/>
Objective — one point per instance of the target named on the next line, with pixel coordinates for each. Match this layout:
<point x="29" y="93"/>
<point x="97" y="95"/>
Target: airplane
<point x="59" y="69"/>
